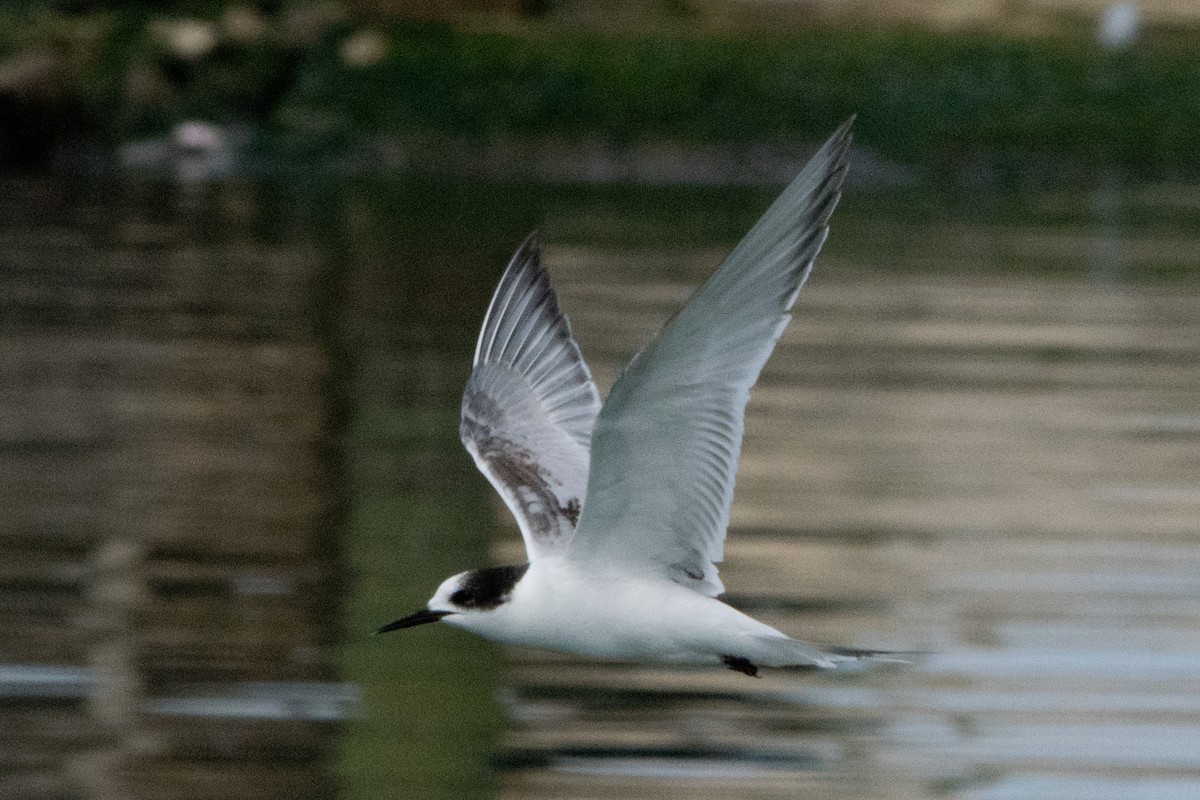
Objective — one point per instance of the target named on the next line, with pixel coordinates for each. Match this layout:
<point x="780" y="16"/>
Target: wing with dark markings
<point x="530" y="406"/>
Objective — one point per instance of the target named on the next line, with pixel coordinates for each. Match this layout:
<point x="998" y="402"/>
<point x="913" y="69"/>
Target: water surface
<point x="230" y="451"/>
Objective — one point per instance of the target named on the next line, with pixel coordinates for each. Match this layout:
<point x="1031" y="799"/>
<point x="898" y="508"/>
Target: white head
<point x="464" y="594"/>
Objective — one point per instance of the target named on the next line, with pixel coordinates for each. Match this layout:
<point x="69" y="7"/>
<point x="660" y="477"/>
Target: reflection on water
<point x="229" y="451"/>
<point x="166" y="583"/>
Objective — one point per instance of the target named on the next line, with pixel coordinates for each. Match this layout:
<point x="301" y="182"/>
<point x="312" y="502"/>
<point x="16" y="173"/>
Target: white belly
<point x="556" y="608"/>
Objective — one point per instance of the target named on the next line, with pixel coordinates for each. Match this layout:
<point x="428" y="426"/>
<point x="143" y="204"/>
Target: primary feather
<point x="530" y="405"/>
<point x="666" y="443"/>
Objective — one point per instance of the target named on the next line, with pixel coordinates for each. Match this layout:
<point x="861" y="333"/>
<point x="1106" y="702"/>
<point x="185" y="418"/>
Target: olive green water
<point x="231" y="452"/>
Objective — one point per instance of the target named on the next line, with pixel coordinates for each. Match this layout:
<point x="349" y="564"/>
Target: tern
<point x="624" y="507"/>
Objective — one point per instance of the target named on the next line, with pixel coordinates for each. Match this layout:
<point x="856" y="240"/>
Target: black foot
<point x="738" y="664"/>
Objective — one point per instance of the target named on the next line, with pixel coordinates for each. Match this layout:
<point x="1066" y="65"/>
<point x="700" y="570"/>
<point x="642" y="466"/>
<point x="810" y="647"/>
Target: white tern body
<point x="624" y="507"/>
<point x="558" y="607"/>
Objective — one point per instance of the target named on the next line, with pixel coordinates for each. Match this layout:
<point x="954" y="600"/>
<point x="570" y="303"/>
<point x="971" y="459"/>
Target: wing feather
<point x="530" y="406"/>
<point x="666" y="443"/>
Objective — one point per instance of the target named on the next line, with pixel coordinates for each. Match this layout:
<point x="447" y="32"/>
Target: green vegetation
<point x="921" y="96"/>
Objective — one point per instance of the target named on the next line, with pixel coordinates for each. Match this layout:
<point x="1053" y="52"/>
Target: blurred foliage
<point x="920" y="95"/>
<point x="314" y="72"/>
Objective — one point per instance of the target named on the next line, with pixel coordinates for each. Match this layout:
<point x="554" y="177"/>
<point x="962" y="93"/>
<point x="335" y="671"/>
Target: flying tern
<point x="624" y="506"/>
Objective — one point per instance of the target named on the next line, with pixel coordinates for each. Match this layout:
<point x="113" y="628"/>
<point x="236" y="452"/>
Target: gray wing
<point x="666" y="444"/>
<point x="530" y="406"/>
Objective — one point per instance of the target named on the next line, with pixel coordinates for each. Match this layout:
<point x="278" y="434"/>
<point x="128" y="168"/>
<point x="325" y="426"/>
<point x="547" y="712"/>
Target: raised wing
<point x="530" y="406"/>
<point x="666" y="444"/>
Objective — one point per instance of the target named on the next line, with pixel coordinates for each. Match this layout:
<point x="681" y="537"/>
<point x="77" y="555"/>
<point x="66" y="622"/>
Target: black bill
<point x="419" y="617"/>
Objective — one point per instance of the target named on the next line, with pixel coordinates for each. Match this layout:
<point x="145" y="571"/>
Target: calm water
<point x="228" y="447"/>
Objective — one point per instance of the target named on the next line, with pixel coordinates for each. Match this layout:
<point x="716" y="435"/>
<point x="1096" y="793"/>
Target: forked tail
<point x="781" y="651"/>
<point x="844" y="655"/>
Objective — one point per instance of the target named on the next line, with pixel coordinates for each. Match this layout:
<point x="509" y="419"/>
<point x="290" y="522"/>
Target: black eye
<point x="461" y="598"/>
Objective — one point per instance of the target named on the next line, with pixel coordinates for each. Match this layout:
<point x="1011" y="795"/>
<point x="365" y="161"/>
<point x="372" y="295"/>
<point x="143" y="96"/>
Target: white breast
<point x="557" y="607"/>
